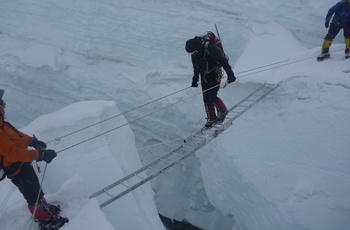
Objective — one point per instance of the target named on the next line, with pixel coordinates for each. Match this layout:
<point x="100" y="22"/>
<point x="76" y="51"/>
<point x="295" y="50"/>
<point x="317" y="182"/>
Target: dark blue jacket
<point x="340" y="11"/>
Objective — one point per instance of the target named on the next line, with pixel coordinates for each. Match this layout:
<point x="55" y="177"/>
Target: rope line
<point x="137" y="119"/>
<point x="280" y="64"/>
<point x="148" y="103"/>
<point x="260" y="67"/>
<point x="7" y="198"/>
<point x="289" y="63"/>
<point x="151" y="102"/>
<point x="139" y="149"/>
<point x="86" y="140"/>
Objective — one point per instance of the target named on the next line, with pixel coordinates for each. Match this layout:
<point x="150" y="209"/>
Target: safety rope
<point x="238" y="74"/>
<point x="7" y="198"/>
<point x="275" y="67"/>
<point x="279" y="64"/>
<point x="137" y="119"/>
<point x="13" y="188"/>
<point x="139" y="149"/>
<point x="138" y="107"/>
<point x="148" y="103"/>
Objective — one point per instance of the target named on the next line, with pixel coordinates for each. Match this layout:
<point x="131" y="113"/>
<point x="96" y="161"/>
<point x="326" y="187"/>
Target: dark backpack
<point x="211" y="38"/>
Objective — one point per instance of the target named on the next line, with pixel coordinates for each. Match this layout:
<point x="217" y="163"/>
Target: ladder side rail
<point x="126" y="191"/>
<point x="200" y="132"/>
<point x="246" y="98"/>
<point x="254" y="102"/>
<point x="228" y="123"/>
<point x="199" y="145"/>
<point x="269" y="91"/>
<point x="144" y="168"/>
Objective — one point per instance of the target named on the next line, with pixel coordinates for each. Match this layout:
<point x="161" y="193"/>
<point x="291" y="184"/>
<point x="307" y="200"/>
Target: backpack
<point x="211" y="38"/>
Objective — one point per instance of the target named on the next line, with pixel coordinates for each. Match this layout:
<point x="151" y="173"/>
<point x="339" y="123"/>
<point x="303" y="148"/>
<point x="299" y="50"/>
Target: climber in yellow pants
<point x="341" y="20"/>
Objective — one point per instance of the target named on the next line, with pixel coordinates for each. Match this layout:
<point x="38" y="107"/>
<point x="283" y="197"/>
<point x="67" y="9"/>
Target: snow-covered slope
<point x="286" y="166"/>
<point x="283" y="165"/>
<point x="86" y="168"/>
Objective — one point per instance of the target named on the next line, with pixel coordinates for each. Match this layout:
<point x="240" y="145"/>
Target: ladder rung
<point x="164" y="161"/>
<point x="189" y="147"/>
<point x="179" y="155"/>
<point x="195" y="142"/>
<point x="135" y="174"/>
<point x="124" y="185"/>
<point x="154" y="169"/>
<point x="106" y="191"/>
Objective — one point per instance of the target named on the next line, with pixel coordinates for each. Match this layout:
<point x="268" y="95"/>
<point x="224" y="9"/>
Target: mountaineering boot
<point x="42" y="212"/>
<point x="321" y="57"/>
<point x="209" y="123"/>
<point x="211" y="115"/>
<point x="222" y="111"/>
<point x="221" y="117"/>
<point x="47" y="215"/>
<point x="55" y="209"/>
<point x="325" y="50"/>
<point x="347" y="48"/>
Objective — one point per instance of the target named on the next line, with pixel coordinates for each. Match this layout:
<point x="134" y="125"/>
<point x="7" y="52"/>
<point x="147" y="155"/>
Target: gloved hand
<point x="47" y="155"/>
<point x="326" y="25"/>
<point x="194" y="84"/>
<point x="231" y="78"/>
<point x="37" y="144"/>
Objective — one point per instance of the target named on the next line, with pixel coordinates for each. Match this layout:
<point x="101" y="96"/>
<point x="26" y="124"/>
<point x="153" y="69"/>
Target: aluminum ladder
<point x="189" y="146"/>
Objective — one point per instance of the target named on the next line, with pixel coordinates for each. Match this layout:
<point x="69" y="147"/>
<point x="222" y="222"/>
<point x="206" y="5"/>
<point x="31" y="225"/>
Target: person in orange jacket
<point x="16" y="158"/>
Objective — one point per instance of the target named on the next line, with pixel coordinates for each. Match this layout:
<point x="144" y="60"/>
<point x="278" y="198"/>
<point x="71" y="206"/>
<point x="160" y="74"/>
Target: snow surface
<point x="283" y="165"/>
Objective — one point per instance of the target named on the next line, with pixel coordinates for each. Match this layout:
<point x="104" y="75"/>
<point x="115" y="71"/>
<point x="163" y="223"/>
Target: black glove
<point x="37" y="144"/>
<point x="326" y="25"/>
<point x="194" y="84"/>
<point x="231" y="78"/>
<point x="47" y="155"/>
